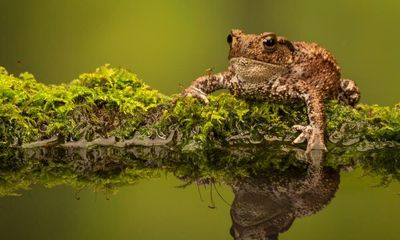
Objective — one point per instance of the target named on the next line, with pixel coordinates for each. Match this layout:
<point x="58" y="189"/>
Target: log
<point x="112" y="107"/>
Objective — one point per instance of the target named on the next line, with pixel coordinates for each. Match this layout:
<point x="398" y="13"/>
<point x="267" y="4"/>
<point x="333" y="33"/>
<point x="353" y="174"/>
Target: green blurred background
<point x="168" y="44"/>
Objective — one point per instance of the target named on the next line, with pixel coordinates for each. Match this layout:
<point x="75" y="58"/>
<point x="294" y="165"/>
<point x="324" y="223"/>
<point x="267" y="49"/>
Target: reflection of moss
<point x="114" y="102"/>
<point x="105" y="169"/>
<point x="21" y="170"/>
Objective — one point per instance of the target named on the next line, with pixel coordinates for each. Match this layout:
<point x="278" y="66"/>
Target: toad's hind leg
<point x="349" y="92"/>
<point x="315" y="132"/>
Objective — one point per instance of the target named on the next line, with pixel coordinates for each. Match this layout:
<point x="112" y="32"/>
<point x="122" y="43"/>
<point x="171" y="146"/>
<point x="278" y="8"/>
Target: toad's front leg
<point x="315" y="132"/>
<point x="208" y="84"/>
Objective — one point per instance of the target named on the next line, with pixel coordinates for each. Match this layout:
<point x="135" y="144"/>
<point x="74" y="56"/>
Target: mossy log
<point x="112" y="107"/>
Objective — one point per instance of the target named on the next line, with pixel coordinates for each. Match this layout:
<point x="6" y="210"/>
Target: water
<point x="155" y="209"/>
<point x="112" y="194"/>
<point x="168" y="44"/>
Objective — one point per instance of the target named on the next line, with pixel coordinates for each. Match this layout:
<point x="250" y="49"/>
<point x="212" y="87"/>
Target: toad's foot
<point x="196" y="93"/>
<point x="314" y="137"/>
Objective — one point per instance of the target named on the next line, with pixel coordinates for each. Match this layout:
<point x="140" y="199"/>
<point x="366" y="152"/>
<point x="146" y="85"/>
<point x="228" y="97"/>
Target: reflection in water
<point x="106" y="169"/>
<point x="267" y="206"/>
<point x="273" y="184"/>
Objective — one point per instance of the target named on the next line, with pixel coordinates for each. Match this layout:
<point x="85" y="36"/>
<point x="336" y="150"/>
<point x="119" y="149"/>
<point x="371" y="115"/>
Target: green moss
<point x="109" y="101"/>
<point x="113" y="102"/>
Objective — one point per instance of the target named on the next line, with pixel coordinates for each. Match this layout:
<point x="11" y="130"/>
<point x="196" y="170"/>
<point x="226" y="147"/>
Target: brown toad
<point x="270" y="67"/>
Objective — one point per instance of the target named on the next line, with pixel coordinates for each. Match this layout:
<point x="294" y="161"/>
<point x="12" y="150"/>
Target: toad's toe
<point x="304" y="135"/>
<point x="196" y="93"/>
<point x="314" y="137"/>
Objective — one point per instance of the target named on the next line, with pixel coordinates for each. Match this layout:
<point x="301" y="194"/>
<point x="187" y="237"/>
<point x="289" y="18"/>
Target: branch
<point x="112" y="107"/>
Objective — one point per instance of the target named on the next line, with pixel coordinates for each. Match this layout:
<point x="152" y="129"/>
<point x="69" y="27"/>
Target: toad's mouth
<point x="255" y="70"/>
<point x="249" y="61"/>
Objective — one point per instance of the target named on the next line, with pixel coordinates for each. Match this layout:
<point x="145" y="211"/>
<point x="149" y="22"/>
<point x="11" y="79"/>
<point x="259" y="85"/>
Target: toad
<point x="269" y="67"/>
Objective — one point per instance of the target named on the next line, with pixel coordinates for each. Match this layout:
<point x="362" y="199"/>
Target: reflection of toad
<point x="264" y="207"/>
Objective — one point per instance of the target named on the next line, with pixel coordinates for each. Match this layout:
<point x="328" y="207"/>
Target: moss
<point x="109" y="101"/>
<point x="113" y="102"/>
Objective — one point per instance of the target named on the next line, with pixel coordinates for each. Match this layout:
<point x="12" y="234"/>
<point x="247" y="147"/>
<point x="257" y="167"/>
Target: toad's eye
<point x="229" y="39"/>
<point x="270" y="43"/>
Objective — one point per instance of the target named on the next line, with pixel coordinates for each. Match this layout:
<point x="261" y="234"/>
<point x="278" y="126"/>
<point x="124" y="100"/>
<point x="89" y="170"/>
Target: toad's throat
<point x="251" y="70"/>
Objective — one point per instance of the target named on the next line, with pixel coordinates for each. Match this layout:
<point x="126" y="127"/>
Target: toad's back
<point x="317" y="66"/>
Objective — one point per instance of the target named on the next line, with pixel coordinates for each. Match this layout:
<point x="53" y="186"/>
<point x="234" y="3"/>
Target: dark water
<point x="169" y="43"/>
